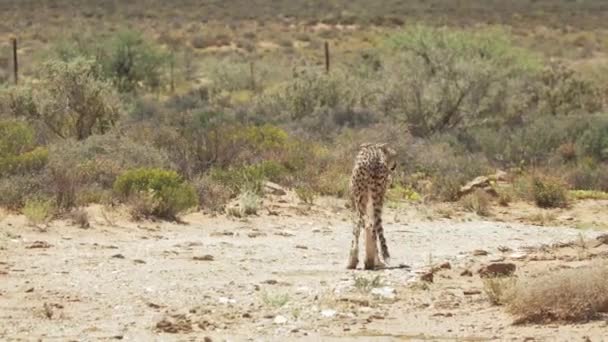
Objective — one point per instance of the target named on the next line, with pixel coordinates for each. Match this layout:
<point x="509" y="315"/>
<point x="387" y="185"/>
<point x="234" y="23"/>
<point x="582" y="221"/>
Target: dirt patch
<point x="278" y="277"/>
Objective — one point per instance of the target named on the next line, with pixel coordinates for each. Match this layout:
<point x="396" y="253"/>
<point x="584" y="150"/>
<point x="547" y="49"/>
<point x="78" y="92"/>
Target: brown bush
<point x="549" y="192"/>
<point x="478" y="202"/>
<point x="573" y="295"/>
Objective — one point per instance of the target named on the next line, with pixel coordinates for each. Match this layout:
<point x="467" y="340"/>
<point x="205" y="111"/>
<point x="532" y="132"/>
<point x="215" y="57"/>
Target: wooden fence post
<point x="327" y="57"/>
<point x="15" y="61"/>
<point x="252" y="72"/>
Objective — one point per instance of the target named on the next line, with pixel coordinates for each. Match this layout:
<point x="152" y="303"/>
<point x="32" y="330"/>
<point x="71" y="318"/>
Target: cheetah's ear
<point x="387" y="149"/>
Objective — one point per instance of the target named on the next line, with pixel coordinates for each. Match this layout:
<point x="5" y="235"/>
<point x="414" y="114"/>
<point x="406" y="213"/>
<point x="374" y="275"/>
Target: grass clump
<point x="155" y="193"/>
<point x="477" y="202"/>
<point x="572" y="295"/>
<point x="275" y="300"/>
<point x="38" y="211"/>
<point x="549" y="192"/>
<point x="365" y="285"/>
<point x="497" y="289"/>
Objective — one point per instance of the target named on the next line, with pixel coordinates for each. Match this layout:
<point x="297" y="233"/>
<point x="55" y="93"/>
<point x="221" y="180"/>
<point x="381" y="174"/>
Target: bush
<point x="38" y="211"/>
<point x="211" y="195"/>
<point x="549" y="192"/>
<point x="18" y="153"/>
<point x="130" y="61"/>
<point x="71" y="100"/>
<point x="477" y="202"/>
<point x="498" y="289"/>
<point x="15" y="189"/>
<point x="160" y="193"/>
<point x="573" y="295"/>
<point x="248" y="178"/>
<point x="563" y="92"/>
<point x="457" y="78"/>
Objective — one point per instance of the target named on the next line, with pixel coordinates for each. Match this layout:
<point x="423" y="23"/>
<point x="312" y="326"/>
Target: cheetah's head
<point x="390" y="154"/>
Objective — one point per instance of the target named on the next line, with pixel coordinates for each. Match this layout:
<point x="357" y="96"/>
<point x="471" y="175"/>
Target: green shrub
<point x="38" y="211"/>
<point x="27" y="162"/>
<point x="71" y="99"/>
<point x="130" y="60"/>
<point x="16" y="137"/>
<point x="456" y="78"/>
<point x="18" y="153"/>
<point x="15" y="189"/>
<point x="563" y="92"/>
<point x="306" y="194"/>
<point x="164" y="193"/>
<point x="250" y="177"/>
<point x="549" y="192"/>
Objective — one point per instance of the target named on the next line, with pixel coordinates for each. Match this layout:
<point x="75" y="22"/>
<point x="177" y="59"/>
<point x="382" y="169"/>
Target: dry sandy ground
<point x="275" y="277"/>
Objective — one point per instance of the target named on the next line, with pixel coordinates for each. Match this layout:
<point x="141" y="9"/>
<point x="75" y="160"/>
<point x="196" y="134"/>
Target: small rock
<point x="301" y="247"/>
<point x="328" y="313"/>
<point x="280" y="320"/>
<point x="118" y="256"/>
<point x="30" y="290"/>
<point x="466" y="273"/>
<point x="504" y="249"/>
<point x="497" y="269"/>
<point x="518" y="256"/>
<point x="139" y="261"/>
<point x="39" y="244"/>
<point x="471" y="292"/>
<point x="207" y="257"/>
<point x="480" y="252"/>
<point x="428" y="277"/>
<point x="225" y="300"/>
<point x="274" y="189"/>
<point x="270" y="282"/>
<point x="477" y="183"/>
<point x="384" y="292"/>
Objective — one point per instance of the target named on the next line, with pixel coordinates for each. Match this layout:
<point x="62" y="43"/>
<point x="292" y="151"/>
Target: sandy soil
<point x="278" y="276"/>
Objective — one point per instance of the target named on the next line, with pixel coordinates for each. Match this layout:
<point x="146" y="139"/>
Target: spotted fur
<point x="369" y="180"/>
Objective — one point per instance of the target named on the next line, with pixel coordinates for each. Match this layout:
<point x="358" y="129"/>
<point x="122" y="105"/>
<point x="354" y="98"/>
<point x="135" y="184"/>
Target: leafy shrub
<point x="16" y="137"/>
<point x="126" y="58"/>
<point x="305" y="194"/>
<point x="18" y="153"/>
<point x="38" y="211"/>
<point x="162" y="193"/>
<point x="71" y="100"/>
<point x="250" y="177"/>
<point x="457" y="78"/>
<point x="16" y="189"/>
<point x="588" y="175"/>
<point x="549" y="192"/>
<point x="130" y="60"/>
<point x="594" y="141"/>
<point x="562" y="92"/>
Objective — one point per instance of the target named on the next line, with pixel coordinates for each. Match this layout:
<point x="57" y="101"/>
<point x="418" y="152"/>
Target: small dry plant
<point x="497" y="289"/>
<point x="80" y="217"/>
<point x="572" y="295"/>
<point x="477" y="202"/>
<point x="363" y="284"/>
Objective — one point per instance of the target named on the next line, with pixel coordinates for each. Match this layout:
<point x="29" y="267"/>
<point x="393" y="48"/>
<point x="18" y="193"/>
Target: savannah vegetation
<point x="170" y="108"/>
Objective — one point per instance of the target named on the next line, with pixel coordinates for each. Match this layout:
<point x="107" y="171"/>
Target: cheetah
<point x="370" y="178"/>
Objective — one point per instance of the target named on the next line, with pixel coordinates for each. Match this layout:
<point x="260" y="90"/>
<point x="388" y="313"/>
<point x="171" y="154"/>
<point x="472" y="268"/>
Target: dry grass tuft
<point x="573" y="295"/>
<point x="477" y="202"/>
